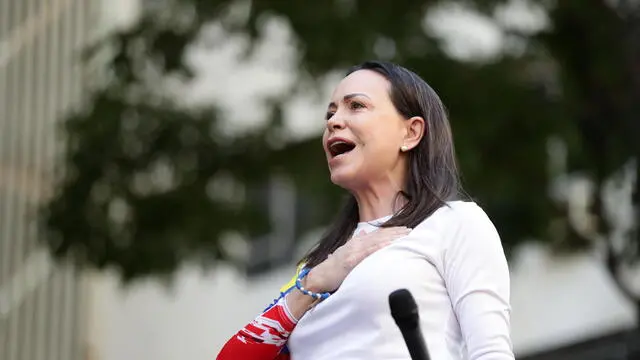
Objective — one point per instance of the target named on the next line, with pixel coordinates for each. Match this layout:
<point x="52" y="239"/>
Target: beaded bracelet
<point x="318" y="296"/>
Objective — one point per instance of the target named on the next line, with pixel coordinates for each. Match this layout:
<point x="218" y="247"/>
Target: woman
<point x="388" y="142"/>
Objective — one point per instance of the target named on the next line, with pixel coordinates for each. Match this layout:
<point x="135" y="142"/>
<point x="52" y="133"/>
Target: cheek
<point x="379" y="129"/>
<point x="378" y="155"/>
<point x="383" y="140"/>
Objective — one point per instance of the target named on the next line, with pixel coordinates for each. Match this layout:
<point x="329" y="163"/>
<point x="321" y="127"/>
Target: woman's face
<point x="365" y="132"/>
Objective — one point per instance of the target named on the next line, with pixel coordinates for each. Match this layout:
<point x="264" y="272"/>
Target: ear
<point x="415" y="130"/>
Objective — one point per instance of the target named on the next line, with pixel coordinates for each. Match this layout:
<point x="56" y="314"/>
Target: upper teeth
<point x="338" y="143"/>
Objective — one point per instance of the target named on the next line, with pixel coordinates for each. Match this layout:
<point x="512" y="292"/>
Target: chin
<point x="338" y="178"/>
<point x="345" y="179"/>
<point x="347" y="173"/>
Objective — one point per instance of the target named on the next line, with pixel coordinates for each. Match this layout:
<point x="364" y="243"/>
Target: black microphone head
<point x="403" y="308"/>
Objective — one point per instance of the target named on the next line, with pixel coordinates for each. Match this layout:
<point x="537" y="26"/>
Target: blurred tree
<point x="148" y="183"/>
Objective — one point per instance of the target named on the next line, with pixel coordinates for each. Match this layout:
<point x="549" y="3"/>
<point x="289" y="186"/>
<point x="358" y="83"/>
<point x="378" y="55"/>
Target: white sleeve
<point x="477" y="280"/>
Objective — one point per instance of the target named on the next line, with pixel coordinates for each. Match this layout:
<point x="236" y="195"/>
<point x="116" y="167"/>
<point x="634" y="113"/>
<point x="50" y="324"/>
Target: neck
<point x="378" y="201"/>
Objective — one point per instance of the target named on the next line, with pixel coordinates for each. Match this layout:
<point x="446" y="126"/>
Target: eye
<point x="329" y="115"/>
<point x="354" y="105"/>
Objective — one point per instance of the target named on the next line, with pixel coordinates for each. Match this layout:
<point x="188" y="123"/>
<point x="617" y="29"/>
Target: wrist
<point x="311" y="282"/>
<point x="298" y="304"/>
<point x="303" y="276"/>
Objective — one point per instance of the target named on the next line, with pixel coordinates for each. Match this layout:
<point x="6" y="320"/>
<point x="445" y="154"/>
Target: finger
<point x="402" y="228"/>
<point x="360" y="233"/>
<point x="395" y="229"/>
<point x="386" y="231"/>
<point x="385" y="239"/>
<point x="394" y="233"/>
<point x="364" y="251"/>
<point x="375" y="247"/>
<point x="382" y="233"/>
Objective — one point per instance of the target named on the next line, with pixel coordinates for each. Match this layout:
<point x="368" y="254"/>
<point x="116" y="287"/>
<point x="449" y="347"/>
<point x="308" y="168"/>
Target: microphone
<point x="404" y="311"/>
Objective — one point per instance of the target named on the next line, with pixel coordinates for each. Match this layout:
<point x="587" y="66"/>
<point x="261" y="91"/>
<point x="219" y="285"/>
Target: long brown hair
<point x="433" y="173"/>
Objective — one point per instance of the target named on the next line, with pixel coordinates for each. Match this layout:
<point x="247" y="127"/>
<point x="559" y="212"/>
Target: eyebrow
<point x="349" y="97"/>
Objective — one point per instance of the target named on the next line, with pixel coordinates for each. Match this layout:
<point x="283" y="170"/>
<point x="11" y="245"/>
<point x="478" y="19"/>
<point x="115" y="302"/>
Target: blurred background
<point x="161" y="170"/>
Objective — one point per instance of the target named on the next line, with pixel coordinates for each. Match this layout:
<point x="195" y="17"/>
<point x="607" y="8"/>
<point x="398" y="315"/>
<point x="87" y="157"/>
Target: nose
<point x="335" y="123"/>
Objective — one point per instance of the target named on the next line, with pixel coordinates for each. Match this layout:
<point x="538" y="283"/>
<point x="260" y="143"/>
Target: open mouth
<point x="340" y="147"/>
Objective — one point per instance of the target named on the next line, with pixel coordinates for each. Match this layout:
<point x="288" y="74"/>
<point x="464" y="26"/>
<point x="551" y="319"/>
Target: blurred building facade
<point x="42" y="307"/>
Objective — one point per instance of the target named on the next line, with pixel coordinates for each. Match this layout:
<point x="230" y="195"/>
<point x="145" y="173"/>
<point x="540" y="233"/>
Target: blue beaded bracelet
<point x="318" y="296"/>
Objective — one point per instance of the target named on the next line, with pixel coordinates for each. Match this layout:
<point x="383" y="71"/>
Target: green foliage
<point x="165" y="172"/>
<point x="575" y="81"/>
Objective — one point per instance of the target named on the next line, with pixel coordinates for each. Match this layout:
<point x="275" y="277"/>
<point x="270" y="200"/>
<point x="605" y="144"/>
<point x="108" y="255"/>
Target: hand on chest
<point x="365" y="291"/>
